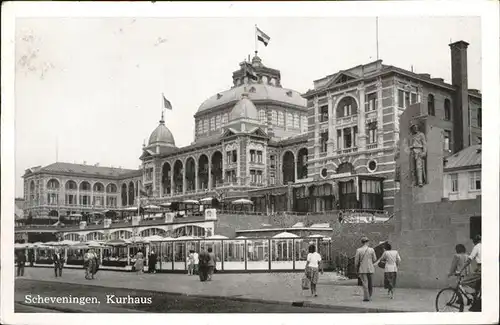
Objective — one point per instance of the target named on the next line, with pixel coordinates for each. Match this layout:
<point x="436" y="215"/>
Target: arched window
<point x="194" y="231"/>
<point x="131" y="194"/>
<point x="347" y="107"/>
<point x="288" y="167"/>
<point x="53" y="184"/>
<point x="345" y="168"/>
<point x="430" y="105"/>
<point x="111" y="188"/>
<point x="84" y="186"/>
<point x="447" y="110"/>
<point x="124" y="195"/>
<point x="71" y="186"/>
<point x="95" y="236"/>
<point x="98" y="187"/>
<point x="73" y="237"/>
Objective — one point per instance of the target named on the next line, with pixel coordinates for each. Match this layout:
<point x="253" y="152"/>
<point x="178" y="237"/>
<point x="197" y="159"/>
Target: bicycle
<point x="456" y="301"/>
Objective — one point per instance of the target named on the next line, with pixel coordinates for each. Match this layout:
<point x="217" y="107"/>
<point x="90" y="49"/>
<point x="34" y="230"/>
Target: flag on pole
<point x="249" y="72"/>
<point x="166" y="103"/>
<point x="261" y="36"/>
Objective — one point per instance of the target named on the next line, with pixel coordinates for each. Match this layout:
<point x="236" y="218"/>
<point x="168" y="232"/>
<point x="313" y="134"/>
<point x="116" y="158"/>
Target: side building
<point x="354" y="121"/>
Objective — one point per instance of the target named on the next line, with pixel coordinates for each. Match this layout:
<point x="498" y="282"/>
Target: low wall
<point x="426" y="242"/>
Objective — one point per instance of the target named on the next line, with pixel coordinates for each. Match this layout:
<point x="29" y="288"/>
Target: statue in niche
<point x="418" y="156"/>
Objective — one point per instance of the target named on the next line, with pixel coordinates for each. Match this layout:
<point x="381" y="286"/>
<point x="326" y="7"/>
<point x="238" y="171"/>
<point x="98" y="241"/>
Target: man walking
<point x="473" y="280"/>
<point x="152" y="262"/>
<point x="211" y="263"/>
<point x="21" y="261"/>
<point x="58" y="262"/>
<point x="364" y="259"/>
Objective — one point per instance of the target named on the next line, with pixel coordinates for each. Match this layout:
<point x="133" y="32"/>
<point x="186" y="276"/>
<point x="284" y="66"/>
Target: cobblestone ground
<point x="276" y="287"/>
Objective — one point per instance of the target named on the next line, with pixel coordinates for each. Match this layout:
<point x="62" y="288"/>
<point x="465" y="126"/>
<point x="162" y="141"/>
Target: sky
<point x="89" y="89"/>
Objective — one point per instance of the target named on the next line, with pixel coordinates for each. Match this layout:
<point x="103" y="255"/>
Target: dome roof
<point x="161" y="135"/>
<point x="244" y="108"/>
<point x="255" y="92"/>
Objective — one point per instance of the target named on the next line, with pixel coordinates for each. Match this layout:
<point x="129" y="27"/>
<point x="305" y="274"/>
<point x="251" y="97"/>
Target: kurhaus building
<point x="330" y="148"/>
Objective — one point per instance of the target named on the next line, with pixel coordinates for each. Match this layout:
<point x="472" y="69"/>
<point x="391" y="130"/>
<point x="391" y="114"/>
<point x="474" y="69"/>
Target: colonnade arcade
<point x="192" y="174"/>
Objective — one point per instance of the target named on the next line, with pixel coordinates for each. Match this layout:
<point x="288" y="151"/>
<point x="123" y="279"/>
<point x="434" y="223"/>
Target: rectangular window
<point x="347" y="138"/>
<point x="447" y="139"/>
<point x="70" y="199"/>
<point x="217" y="122"/>
<point x="347" y="110"/>
<point x="324" y="141"/>
<point x="372" y="133"/>
<point x="339" y="139"/>
<point x="454" y="183"/>
<point x="252" y="176"/>
<point x="85" y="200"/>
<point x="52" y="198"/>
<point x="413" y="98"/>
<point x="354" y="135"/>
<point x="296" y="122"/>
<point x="259" y="177"/>
<point x="259" y="157"/>
<point x="272" y="162"/>
<point x="98" y="201"/>
<point x="371" y="102"/>
<point x="212" y="123"/>
<point x="199" y="127"/>
<point x="274" y="117"/>
<point x="205" y="126"/>
<point x="479" y="117"/>
<point x="272" y="178"/>
<point x="401" y="98"/>
<point x="289" y="120"/>
<point x="228" y="157"/>
<point x="252" y="156"/>
<point x="262" y="116"/>
<point x="224" y="119"/>
<point x="475" y="181"/>
<point x="234" y="156"/>
<point x="281" y="119"/>
<point x="323" y="111"/>
<point x="111" y="201"/>
<point x="304" y="124"/>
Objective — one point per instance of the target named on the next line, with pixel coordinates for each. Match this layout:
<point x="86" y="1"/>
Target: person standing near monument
<point x="364" y="259"/>
<point x="418" y="153"/>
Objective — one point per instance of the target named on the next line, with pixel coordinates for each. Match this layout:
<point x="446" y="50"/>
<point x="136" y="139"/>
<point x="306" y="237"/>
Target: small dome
<point x="244" y="109"/>
<point x="161" y="135"/>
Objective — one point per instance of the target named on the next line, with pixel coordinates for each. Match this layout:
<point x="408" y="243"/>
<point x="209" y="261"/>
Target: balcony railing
<point x="347" y="120"/>
<point x="371" y="146"/>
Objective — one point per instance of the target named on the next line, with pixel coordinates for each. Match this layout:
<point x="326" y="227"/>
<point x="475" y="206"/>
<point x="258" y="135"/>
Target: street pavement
<point x="276" y="288"/>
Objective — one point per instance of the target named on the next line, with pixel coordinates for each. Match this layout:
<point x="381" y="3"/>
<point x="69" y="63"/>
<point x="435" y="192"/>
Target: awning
<point x="242" y="201"/>
<point x="190" y="202"/>
<point x="285" y="235"/>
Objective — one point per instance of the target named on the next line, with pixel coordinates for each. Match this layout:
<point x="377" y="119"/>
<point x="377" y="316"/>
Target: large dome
<point x="162" y="136"/>
<point x="256" y="92"/>
<point x="244" y="109"/>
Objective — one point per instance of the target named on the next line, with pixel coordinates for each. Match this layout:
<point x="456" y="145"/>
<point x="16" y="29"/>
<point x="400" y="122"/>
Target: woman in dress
<point x="313" y="265"/>
<point x="139" y="263"/>
<point x="392" y="260"/>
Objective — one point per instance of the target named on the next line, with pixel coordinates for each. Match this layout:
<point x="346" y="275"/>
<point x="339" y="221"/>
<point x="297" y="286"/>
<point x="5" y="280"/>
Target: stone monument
<point x="426" y="226"/>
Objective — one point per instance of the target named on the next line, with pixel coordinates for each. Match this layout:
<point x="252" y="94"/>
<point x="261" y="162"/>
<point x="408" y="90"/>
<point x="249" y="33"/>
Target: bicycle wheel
<point x="449" y="300"/>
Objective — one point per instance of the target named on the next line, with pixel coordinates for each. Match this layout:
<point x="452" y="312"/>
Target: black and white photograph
<point x="321" y="160"/>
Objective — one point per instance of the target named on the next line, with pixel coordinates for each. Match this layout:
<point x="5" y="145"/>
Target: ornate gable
<point x="340" y="78"/>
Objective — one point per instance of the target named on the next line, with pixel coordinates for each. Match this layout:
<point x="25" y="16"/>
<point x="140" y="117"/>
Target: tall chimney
<point x="461" y="136"/>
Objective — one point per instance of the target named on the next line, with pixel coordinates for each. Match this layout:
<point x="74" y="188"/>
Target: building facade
<point x="462" y="174"/>
<point x="354" y="119"/>
<point x="64" y="191"/>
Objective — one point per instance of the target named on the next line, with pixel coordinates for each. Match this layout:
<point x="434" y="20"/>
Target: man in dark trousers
<point x="203" y="265"/>
<point x="31" y="257"/>
<point x="152" y="262"/>
<point x="58" y="260"/>
<point x="21" y="261"/>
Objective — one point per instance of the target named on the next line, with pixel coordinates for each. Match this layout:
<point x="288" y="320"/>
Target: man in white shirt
<point x="474" y="279"/>
<point x="196" y="258"/>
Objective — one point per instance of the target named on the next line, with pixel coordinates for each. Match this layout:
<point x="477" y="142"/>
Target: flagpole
<point x="255" y="30"/>
<point x="376" y="30"/>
